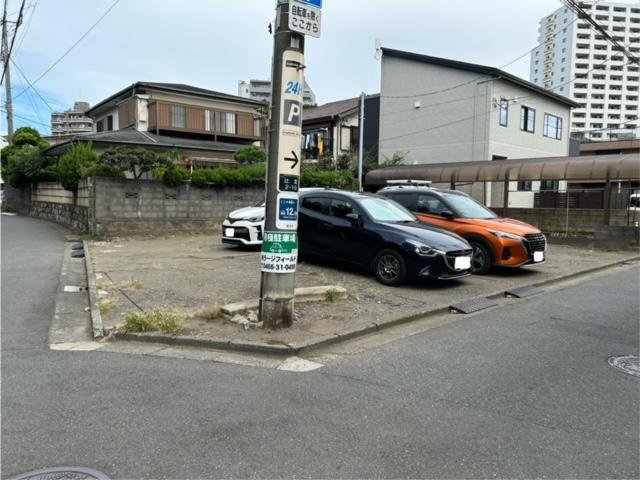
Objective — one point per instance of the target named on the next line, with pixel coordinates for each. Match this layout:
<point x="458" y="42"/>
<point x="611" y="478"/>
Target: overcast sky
<point x="214" y="43"/>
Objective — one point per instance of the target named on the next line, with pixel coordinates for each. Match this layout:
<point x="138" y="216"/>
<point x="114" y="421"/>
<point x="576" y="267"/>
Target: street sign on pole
<point x="280" y="239"/>
<point x="313" y="3"/>
<point x="305" y="18"/>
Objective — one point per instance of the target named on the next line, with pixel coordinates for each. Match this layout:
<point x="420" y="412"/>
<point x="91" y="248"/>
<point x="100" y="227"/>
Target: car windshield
<point x="468" y="207"/>
<point x="385" y="210"/>
<point x="260" y="204"/>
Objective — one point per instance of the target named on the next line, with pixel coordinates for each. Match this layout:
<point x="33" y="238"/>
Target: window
<point x="226" y="122"/>
<point x="341" y="208"/>
<point x="109" y="120"/>
<point x="552" y="126"/>
<point x="549" y="185"/>
<point x="527" y="119"/>
<point x="524" y="186"/>
<point x="100" y="126"/>
<point x="504" y="111"/>
<point x="316" y="204"/>
<point x="209" y="123"/>
<point x="178" y="116"/>
<point x="431" y="205"/>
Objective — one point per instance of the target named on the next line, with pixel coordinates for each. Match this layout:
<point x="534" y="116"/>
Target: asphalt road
<point x="524" y="391"/>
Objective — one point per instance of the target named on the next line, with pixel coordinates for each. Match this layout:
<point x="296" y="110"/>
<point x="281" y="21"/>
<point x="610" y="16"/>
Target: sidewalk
<point x="185" y="274"/>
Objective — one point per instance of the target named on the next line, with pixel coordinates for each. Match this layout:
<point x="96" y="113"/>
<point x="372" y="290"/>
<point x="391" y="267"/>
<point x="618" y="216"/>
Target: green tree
<point x="250" y="154"/>
<point x="136" y="160"/>
<point x="80" y="161"/>
<point x="22" y="136"/>
<point x="397" y="158"/>
<point x="24" y="165"/>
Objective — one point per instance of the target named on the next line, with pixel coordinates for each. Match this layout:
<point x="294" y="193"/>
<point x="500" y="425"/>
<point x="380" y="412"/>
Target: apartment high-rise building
<point x="577" y="61"/>
<point x="261" y="90"/>
<point x="72" y="121"/>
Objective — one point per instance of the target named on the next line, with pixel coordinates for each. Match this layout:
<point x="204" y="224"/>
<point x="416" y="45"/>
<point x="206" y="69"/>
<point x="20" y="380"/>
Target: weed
<point x="107" y="305"/>
<point x="133" y="284"/>
<point x="153" y="321"/>
<point x="332" y="295"/>
<point x="210" y="312"/>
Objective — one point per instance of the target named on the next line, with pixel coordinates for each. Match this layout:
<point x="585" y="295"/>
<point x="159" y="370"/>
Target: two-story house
<point x="437" y="110"/>
<point x="205" y="126"/>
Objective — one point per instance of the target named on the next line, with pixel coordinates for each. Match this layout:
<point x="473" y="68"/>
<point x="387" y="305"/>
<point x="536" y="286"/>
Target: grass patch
<point x="133" y="284"/>
<point x="332" y="295"/>
<point x="153" y="321"/>
<point x="107" y="305"/>
<point x="210" y="312"/>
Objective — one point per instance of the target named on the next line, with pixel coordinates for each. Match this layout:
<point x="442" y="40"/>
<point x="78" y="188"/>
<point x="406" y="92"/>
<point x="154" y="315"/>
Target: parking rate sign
<point x="279" y="252"/>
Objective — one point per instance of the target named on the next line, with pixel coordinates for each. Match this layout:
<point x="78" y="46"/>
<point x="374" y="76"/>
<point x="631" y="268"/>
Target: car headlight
<point x="255" y="219"/>
<point x="424" y="250"/>
<point x="507" y="235"/>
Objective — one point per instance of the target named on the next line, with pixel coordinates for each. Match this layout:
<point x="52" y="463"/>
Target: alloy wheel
<point x="388" y="267"/>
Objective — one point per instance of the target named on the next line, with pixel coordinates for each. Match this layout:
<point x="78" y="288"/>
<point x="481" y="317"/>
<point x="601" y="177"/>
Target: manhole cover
<point x="629" y="364"/>
<point x="63" y="473"/>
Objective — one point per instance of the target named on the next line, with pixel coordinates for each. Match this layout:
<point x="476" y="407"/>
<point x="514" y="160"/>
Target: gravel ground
<point x="186" y="274"/>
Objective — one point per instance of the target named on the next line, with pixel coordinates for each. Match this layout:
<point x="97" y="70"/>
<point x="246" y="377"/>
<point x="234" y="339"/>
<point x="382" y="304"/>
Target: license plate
<point x="228" y="232"/>
<point x="538" y="256"/>
<point x="462" y="263"/>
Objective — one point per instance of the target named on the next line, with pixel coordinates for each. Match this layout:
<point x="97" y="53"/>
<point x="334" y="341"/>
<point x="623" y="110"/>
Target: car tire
<point x="389" y="268"/>
<point x="481" y="259"/>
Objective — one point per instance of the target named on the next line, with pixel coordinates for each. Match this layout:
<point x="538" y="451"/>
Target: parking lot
<point x="186" y="274"/>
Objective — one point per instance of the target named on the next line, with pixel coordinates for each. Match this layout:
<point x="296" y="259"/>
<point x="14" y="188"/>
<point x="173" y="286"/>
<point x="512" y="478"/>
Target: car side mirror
<point x="448" y="214"/>
<point x="354" y="219"/>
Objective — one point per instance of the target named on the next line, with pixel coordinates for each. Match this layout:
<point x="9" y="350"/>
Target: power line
<point x="25" y="30"/>
<point x="578" y="10"/>
<point x="13" y="39"/>
<point x="70" y="48"/>
<point x="31" y="85"/>
<point x="27" y="118"/>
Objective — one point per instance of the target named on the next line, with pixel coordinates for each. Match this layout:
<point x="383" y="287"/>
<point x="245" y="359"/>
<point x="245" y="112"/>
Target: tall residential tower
<point x="575" y="60"/>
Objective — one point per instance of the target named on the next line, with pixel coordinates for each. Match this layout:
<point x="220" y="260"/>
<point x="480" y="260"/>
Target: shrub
<point x="234" y="177"/>
<point x="80" y="161"/>
<point x="314" y="177"/>
<point x="136" y="160"/>
<point x="153" y="321"/>
<point x="175" y="176"/>
<point x="250" y="154"/>
<point x="25" y="165"/>
<point x="345" y="161"/>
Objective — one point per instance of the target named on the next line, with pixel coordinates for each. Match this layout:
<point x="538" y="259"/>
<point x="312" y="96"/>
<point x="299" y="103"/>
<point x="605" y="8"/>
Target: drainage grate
<point x="77" y="246"/>
<point x="77" y="253"/>
<point x="522" y="292"/>
<point x="63" y="473"/>
<point x="628" y="364"/>
<point x="472" y="305"/>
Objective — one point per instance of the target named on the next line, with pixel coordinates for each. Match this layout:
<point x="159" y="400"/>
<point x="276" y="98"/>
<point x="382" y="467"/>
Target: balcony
<point x="200" y="120"/>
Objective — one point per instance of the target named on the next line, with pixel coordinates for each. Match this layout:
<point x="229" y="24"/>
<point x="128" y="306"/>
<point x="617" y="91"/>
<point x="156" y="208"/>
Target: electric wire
<point x="43" y="74"/>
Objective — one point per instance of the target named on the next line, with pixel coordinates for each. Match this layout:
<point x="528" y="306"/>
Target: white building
<point x="575" y="60"/>
<point x="261" y="90"/>
<point x="72" y="121"/>
<point x="436" y="110"/>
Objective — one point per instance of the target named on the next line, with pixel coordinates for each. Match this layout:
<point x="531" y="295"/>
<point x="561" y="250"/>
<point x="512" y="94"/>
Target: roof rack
<point x="408" y="183"/>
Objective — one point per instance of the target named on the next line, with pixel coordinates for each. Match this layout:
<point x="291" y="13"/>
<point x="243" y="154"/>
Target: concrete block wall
<point x="555" y="220"/>
<point x="140" y="207"/>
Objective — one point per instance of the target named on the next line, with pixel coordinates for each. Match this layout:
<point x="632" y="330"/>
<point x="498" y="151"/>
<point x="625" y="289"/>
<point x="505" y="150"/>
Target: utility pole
<point x="361" y="140"/>
<point x="7" y="73"/>
<point x="294" y="20"/>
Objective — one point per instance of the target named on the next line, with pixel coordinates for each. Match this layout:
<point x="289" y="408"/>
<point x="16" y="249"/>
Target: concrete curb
<point x="297" y="348"/>
<point x="96" y="318"/>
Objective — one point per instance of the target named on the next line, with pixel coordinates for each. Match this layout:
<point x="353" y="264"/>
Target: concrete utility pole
<point x="361" y="140"/>
<point x="280" y="236"/>
<point x="7" y="73"/>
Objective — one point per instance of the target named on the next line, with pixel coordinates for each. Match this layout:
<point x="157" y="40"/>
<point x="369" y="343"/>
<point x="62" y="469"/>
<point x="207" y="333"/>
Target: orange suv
<point x="495" y="240"/>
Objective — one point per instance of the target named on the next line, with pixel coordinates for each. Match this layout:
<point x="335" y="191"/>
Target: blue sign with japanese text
<point x="288" y="210"/>
<point x="313" y="3"/>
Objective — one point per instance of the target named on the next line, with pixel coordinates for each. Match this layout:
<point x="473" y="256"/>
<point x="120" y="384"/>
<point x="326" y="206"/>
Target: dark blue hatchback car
<point x="378" y="234"/>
